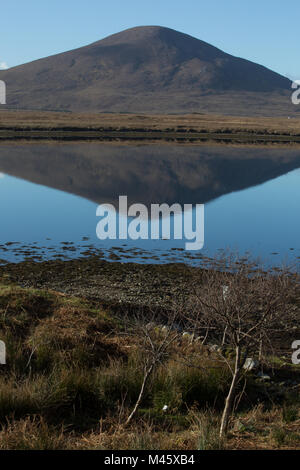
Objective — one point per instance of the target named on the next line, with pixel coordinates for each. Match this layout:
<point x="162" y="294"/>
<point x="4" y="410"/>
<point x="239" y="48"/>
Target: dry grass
<point x="266" y="429"/>
<point x="209" y="123"/>
<point x="72" y="378"/>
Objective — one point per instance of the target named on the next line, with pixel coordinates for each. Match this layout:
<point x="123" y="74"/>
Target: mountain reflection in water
<point x="184" y="174"/>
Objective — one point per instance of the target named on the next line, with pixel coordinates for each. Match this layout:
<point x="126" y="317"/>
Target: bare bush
<point x="154" y="342"/>
<point x="242" y="310"/>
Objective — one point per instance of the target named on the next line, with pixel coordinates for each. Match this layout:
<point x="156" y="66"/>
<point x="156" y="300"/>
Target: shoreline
<point x="115" y="283"/>
<point x="143" y="136"/>
<point x="111" y="283"/>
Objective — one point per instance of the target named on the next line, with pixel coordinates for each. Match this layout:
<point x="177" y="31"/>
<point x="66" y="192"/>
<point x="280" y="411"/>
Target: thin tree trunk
<point x="224" y="336"/>
<point x="137" y="404"/>
<point x="260" y="350"/>
<point x="205" y="337"/>
<point x="230" y="396"/>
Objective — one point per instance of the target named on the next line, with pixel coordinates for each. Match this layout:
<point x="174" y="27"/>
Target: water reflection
<point x="251" y="197"/>
<point x="146" y="173"/>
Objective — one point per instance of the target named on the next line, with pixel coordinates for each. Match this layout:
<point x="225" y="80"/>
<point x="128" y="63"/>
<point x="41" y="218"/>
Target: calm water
<point x="49" y="195"/>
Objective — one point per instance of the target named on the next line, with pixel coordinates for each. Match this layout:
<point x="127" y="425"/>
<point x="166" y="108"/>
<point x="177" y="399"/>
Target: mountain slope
<point x="147" y="69"/>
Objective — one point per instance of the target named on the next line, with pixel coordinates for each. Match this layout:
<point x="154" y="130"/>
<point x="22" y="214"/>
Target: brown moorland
<point x="147" y="127"/>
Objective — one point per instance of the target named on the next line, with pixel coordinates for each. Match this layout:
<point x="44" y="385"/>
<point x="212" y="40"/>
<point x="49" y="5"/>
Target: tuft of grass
<point x="204" y="386"/>
<point x="279" y="436"/>
<point x="31" y="433"/>
<point x="207" y="425"/>
<point x="290" y="413"/>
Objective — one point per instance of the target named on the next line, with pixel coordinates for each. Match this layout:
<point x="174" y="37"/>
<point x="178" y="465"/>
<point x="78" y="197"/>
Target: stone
<point x="251" y="364"/>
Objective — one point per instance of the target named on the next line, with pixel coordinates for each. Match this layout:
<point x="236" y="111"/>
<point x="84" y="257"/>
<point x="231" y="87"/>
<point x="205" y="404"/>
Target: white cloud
<point x="3" y="66"/>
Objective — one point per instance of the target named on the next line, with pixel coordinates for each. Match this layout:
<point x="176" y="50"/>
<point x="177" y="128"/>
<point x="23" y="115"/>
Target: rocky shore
<point x="113" y="283"/>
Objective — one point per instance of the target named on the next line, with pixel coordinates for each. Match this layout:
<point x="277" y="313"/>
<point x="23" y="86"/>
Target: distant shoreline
<point x="63" y="126"/>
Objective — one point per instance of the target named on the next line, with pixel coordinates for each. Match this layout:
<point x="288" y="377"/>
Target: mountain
<point x="148" y="69"/>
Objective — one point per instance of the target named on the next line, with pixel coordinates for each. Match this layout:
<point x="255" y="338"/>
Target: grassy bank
<point x="193" y="127"/>
<point x="74" y="372"/>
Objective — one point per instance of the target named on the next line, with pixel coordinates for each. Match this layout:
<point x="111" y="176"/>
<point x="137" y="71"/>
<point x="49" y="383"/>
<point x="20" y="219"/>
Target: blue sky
<point x="264" y="31"/>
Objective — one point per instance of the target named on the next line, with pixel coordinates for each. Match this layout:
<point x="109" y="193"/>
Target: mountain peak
<point x="158" y="37"/>
<point x="142" y="33"/>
